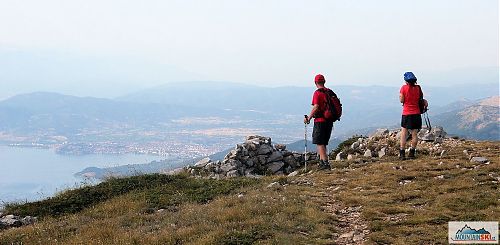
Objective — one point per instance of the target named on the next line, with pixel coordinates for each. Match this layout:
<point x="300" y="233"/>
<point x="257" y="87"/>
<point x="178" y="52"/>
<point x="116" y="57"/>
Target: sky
<point x="107" y="48"/>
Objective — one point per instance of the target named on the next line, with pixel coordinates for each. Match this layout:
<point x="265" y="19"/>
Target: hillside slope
<point x="479" y="120"/>
<point x="382" y="201"/>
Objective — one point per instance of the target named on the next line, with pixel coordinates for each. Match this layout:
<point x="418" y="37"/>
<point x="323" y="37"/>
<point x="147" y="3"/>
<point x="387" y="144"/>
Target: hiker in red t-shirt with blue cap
<point x="411" y="96"/>
<point x="323" y="122"/>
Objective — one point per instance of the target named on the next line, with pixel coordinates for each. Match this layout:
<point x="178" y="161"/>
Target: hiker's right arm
<point x="313" y="112"/>
<point x="401" y="98"/>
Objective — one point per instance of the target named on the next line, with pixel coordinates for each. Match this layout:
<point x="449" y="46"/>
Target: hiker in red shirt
<point x="322" y="127"/>
<point x="411" y="120"/>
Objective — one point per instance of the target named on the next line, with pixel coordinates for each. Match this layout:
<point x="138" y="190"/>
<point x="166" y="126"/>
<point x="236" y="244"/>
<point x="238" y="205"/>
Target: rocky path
<point x="351" y="228"/>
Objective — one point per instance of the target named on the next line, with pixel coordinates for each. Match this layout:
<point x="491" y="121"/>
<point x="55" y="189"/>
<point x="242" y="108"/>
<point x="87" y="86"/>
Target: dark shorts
<point x="411" y="121"/>
<point x="322" y="132"/>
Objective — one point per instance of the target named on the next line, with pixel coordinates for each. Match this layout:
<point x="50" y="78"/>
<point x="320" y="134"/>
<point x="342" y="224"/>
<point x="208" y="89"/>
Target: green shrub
<point x="345" y="144"/>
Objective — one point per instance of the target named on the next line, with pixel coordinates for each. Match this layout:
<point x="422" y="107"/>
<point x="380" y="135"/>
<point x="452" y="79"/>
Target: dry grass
<point x="411" y="202"/>
<point x="261" y="215"/>
<point x="402" y="202"/>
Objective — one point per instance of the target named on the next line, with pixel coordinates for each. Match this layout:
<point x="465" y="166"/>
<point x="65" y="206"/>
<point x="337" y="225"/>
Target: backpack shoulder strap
<point x="327" y="92"/>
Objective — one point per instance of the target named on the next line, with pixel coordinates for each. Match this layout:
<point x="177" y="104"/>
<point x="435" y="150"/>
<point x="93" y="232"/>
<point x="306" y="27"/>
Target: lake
<point x="32" y="174"/>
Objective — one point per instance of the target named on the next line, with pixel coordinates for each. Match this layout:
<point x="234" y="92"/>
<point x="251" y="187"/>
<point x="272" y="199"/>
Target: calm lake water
<point x="31" y="174"/>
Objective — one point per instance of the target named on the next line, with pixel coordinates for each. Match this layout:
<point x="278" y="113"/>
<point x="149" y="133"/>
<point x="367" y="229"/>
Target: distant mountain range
<point x="364" y="107"/>
<point x="371" y="106"/>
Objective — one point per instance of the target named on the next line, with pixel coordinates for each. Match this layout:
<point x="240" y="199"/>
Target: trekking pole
<point x="427" y="121"/>
<point x="305" y="144"/>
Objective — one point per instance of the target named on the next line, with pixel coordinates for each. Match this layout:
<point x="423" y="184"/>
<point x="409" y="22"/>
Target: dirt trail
<point x="351" y="228"/>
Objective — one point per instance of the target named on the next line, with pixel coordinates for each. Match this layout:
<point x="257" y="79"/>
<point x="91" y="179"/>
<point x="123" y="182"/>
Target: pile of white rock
<point x="255" y="157"/>
<point x="9" y="221"/>
<point x="385" y="142"/>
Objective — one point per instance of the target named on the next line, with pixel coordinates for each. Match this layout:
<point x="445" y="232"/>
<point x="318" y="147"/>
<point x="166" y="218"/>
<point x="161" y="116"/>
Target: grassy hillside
<point x="384" y="202"/>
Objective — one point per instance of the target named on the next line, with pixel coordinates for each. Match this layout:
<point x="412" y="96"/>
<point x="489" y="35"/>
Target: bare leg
<point x="404" y="134"/>
<point x="322" y="152"/>
<point x="414" y="138"/>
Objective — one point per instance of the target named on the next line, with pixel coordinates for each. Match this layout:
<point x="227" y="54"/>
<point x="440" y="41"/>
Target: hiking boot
<point x="324" y="165"/>
<point x="411" y="155"/>
<point x="402" y="154"/>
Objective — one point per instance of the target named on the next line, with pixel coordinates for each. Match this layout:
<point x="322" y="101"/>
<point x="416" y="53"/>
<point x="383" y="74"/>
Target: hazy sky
<point x="105" y="48"/>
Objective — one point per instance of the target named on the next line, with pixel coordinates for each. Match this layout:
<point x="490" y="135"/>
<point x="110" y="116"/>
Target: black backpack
<point x="421" y="102"/>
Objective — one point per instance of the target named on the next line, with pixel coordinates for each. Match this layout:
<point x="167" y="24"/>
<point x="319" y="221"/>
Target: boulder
<point x="439" y="132"/>
<point x="249" y="163"/>
<point x="479" y="160"/>
<point x="382" y="152"/>
<point x="264" y="149"/>
<point x="381" y="132"/>
<point x="203" y="162"/>
<point x="280" y="147"/>
<point x="232" y="173"/>
<point x="28" y="220"/>
<point x="174" y="171"/>
<point x="227" y="167"/>
<point x="368" y="153"/>
<point x="249" y="171"/>
<point x="426" y="136"/>
<point x="11" y="221"/>
<point x="291" y="161"/>
<point x="275" y="166"/>
<point x="275" y="156"/>
<point x="274" y="186"/>
<point x="340" y="156"/>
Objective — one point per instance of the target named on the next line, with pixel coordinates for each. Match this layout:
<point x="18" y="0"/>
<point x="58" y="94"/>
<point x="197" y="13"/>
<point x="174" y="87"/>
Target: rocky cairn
<point x="385" y="142"/>
<point x="255" y="157"/>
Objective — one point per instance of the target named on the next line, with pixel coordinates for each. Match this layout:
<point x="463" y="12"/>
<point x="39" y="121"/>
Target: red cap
<point x="319" y="78"/>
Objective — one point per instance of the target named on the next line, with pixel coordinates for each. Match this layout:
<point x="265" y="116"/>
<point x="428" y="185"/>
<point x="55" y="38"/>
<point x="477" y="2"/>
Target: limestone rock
<point x="274" y="185"/>
<point x="203" y="162"/>
<point x="275" y="166"/>
<point x="28" y="220"/>
<point x="280" y="147"/>
<point x="257" y="155"/>
<point x="11" y="221"/>
<point x="275" y="156"/>
<point x="480" y="160"/>
<point x="381" y="132"/>
<point x="368" y="153"/>
<point x="265" y="149"/>
<point x="340" y="156"/>
<point x="232" y="173"/>
<point x="174" y="171"/>
<point x="382" y="152"/>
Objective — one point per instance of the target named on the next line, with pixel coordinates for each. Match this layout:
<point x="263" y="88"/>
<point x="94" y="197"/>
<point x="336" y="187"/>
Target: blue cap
<point x="409" y="76"/>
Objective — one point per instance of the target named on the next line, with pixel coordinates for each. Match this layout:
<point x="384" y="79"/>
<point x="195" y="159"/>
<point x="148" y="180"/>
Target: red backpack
<point x="333" y="108"/>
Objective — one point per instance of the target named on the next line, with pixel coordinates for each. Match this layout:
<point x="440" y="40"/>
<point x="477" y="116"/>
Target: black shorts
<point x="411" y="121"/>
<point x="322" y="132"/>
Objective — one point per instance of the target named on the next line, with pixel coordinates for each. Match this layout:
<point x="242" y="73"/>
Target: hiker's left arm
<point x="401" y="98"/>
